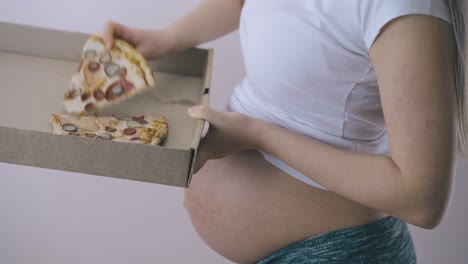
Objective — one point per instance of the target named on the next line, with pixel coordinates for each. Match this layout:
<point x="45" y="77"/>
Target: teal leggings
<point x="385" y="241"/>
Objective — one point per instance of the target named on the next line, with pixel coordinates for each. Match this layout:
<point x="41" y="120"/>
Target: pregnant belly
<point x="245" y="209"/>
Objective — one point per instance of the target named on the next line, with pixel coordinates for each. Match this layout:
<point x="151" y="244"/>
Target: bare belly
<point x="245" y="209"/>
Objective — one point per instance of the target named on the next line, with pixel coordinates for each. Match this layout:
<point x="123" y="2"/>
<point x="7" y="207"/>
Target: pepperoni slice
<point x="114" y="91"/>
<point x="120" y="87"/>
<point x="140" y="119"/>
<point x="126" y="85"/>
<point x="90" y="135"/>
<point x="110" y="129"/>
<point x="93" y="66"/>
<point x="85" y="96"/>
<point x="90" y="107"/>
<point x="135" y="138"/>
<point x="129" y="131"/>
<point x="99" y="95"/>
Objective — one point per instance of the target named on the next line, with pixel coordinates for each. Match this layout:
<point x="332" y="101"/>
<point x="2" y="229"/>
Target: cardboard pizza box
<point x="36" y="65"/>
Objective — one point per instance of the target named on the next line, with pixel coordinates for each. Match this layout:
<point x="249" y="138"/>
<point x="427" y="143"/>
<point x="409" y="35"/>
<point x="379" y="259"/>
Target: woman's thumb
<point x="111" y="30"/>
<point x="202" y="112"/>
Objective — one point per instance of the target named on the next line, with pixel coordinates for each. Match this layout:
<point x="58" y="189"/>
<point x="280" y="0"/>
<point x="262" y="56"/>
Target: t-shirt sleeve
<point x="375" y="14"/>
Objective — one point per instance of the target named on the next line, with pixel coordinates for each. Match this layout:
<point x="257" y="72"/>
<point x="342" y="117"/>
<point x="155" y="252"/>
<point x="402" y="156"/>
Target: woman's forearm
<point x="209" y="20"/>
<point x="370" y="180"/>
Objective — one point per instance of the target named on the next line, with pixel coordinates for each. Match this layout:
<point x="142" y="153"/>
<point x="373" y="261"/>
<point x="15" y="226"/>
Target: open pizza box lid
<point x="36" y="65"/>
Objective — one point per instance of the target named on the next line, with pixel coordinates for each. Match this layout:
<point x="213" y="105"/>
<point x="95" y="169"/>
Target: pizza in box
<point x="106" y="77"/>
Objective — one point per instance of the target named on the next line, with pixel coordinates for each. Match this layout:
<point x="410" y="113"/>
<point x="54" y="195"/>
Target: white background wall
<point x="52" y="217"/>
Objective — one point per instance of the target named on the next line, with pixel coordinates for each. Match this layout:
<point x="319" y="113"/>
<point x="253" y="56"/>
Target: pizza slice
<point x="145" y="130"/>
<point x="106" y="76"/>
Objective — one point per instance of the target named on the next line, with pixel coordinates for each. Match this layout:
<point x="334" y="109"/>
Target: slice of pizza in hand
<point x="106" y="76"/>
<point x="145" y="130"/>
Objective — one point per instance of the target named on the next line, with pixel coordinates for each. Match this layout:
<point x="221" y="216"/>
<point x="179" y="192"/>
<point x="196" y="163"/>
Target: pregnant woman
<point x="344" y="129"/>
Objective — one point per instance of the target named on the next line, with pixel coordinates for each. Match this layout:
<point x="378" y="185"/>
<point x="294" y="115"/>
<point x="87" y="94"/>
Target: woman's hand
<point x="151" y="43"/>
<point x="229" y="132"/>
<point x="211" y="19"/>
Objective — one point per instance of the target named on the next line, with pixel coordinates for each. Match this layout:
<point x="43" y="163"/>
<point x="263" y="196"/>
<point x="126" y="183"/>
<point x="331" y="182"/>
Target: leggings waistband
<point x="384" y="241"/>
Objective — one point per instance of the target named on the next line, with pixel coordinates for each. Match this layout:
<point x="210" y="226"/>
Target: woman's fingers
<point x="108" y="34"/>
<point x="206" y="113"/>
<point x="114" y="30"/>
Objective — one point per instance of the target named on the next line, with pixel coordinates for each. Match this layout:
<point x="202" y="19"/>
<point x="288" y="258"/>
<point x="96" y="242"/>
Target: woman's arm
<point x="209" y="20"/>
<point x="413" y="61"/>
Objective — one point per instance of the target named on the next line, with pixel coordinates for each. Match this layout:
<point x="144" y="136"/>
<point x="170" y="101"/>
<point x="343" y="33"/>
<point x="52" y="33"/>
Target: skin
<point x="245" y="208"/>
<point x="209" y="20"/>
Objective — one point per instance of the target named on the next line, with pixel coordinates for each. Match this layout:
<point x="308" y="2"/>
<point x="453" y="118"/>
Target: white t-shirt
<point x="309" y="70"/>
